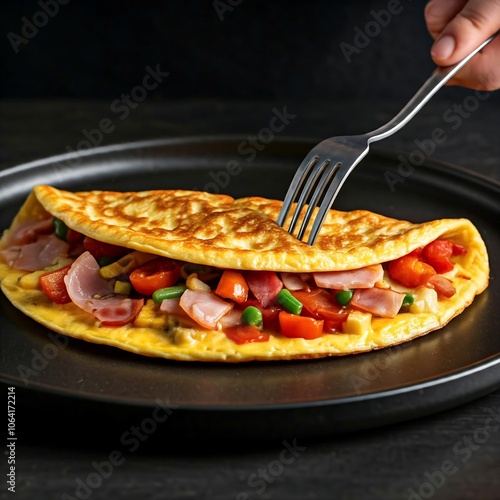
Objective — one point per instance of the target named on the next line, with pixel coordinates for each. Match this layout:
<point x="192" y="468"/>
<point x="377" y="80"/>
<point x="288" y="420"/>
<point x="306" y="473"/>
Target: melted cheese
<point x="238" y="234"/>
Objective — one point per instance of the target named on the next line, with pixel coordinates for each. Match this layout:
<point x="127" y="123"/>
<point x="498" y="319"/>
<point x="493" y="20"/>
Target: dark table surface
<point x="444" y="456"/>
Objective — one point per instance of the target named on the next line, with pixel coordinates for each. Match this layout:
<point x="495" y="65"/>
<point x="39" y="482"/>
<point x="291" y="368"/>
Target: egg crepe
<point x="239" y="234"/>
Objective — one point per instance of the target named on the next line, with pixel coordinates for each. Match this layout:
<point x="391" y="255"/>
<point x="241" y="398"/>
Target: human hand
<point x="459" y="26"/>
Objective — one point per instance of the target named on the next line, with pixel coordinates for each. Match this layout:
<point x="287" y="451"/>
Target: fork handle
<point x="438" y="78"/>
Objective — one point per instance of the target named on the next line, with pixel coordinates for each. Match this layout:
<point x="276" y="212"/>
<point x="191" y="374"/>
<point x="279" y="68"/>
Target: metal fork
<point x="328" y="164"/>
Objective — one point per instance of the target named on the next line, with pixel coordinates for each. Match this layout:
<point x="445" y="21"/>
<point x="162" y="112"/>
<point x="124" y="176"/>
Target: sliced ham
<point x="42" y="253"/>
<point x="84" y="283"/>
<point x="365" y="277"/>
<point x="94" y="294"/>
<point x="265" y="285"/>
<point x="172" y="306"/>
<point x="443" y="286"/>
<point x="233" y="318"/>
<point x="118" y="311"/>
<point x="204" y="307"/>
<point x="10" y="254"/>
<point x="382" y="302"/>
<point x="29" y="231"/>
<point x="295" y="281"/>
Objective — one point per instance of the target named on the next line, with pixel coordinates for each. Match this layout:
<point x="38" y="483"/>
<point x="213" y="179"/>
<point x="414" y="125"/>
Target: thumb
<point x="478" y="20"/>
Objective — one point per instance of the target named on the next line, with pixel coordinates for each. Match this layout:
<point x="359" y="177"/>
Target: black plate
<point x="438" y="371"/>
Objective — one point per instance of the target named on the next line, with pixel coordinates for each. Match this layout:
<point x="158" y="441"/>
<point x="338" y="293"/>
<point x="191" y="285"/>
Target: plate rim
<point x="435" y="164"/>
<point x="432" y="164"/>
<point x="431" y="383"/>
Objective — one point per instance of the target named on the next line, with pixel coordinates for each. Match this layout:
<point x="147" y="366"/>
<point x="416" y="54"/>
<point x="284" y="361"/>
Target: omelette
<point x="194" y="276"/>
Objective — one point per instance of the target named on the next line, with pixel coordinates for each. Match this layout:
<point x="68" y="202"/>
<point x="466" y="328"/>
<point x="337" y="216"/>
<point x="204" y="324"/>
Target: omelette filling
<point x="113" y="283"/>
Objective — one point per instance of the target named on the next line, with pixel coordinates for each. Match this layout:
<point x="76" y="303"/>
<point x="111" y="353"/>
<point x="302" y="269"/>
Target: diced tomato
<point x="232" y="285"/>
<point x="410" y="271"/>
<point x="331" y="326"/>
<point x="320" y="304"/>
<point x="265" y="285"/>
<point x="75" y="241"/>
<point x="160" y="272"/>
<point x="74" y="237"/>
<point x="417" y="252"/>
<point x="53" y="285"/>
<point x="459" y="249"/>
<point x="443" y="286"/>
<point x="437" y="254"/>
<point x="314" y="300"/>
<point x="243" y="334"/>
<point x="99" y="249"/>
<point x="333" y="318"/>
<point x="294" y="326"/>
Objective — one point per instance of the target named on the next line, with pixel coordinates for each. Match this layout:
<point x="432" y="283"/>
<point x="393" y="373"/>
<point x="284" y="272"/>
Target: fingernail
<point x="443" y="48"/>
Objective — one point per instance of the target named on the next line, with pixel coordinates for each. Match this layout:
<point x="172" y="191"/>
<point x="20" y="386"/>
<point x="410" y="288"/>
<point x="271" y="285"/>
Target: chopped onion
<point x="195" y="284"/>
<point x="293" y="281"/>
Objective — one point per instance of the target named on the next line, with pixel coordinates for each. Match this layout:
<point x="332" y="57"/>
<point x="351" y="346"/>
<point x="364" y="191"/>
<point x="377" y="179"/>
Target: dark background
<point x="61" y="78"/>
<point x="272" y="50"/>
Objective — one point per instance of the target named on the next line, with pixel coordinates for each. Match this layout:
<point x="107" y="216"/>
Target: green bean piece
<point x="171" y="292"/>
<point x="252" y="316"/>
<point x="344" y="297"/>
<point x="289" y="302"/>
<point x="408" y="300"/>
<point x="60" y="228"/>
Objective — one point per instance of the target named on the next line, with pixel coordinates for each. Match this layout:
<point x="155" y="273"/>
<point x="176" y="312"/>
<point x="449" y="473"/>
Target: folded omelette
<point x="195" y="276"/>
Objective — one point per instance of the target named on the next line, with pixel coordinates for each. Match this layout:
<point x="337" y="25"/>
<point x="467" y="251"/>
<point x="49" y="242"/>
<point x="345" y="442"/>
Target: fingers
<point x="482" y="72"/>
<point x="471" y="26"/>
<point x="438" y="13"/>
<point x="460" y="26"/>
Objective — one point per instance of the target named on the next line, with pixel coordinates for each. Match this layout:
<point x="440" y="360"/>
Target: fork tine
<point x="318" y="169"/>
<point x="331" y="194"/>
<point x="297" y="181"/>
<point x="320" y="189"/>
<point x="342" y="172"/>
